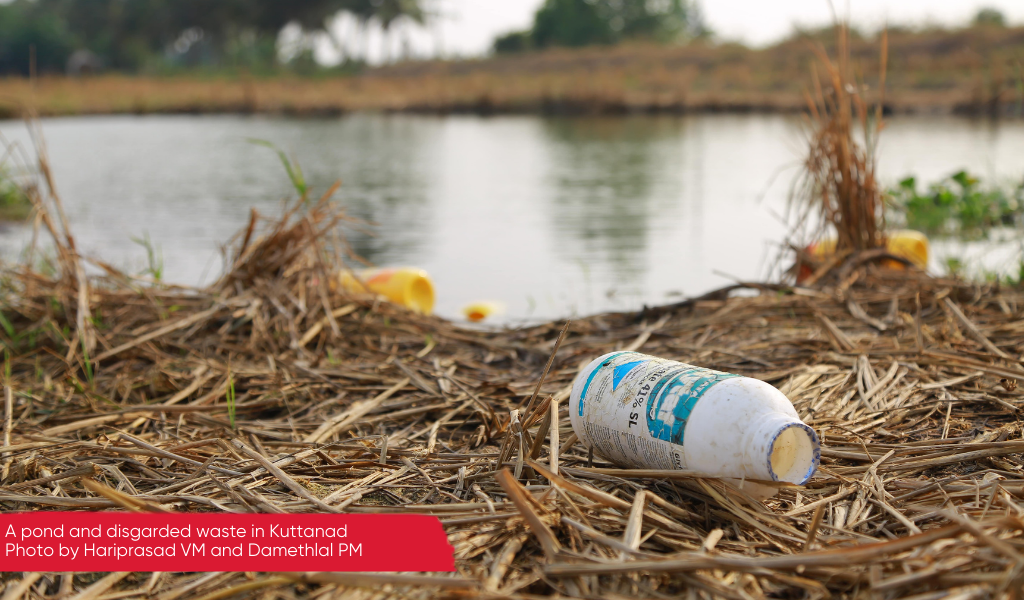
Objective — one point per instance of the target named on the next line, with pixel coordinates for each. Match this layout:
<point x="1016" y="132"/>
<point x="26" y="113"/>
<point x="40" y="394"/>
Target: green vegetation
<point x="990" y="17"/>
<point x="290" y="166"/>
<point x="76" y="36"/>
<point x="229" y="398"/>
<point x="957" y="205"/>
<point x="154" y="257"/>
<point x="23" y="32"/>
<point x="14" y="203"/>
<point x="575" y="23"/>
<point x="966" y="211"/>
<point x="87" y="362"/>
<point x="1011" y="274"/>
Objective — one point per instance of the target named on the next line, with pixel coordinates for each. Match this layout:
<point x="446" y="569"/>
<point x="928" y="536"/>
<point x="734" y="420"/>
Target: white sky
<point x="467" y="27"/>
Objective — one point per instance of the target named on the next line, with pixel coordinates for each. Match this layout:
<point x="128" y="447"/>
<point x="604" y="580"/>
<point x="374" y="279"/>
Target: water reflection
<point x="610" y="179"/>
<point x="384" y="167"/>
<point x="546" y="215"/>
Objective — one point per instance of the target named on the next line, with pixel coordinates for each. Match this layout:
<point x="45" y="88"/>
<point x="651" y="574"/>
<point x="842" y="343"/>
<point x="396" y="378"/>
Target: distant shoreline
<point x="119" y="95"/>
<point x="970" y="72"/>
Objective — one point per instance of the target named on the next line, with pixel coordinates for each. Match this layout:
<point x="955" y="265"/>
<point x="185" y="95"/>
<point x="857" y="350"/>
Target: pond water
<point x="550" y="216"/>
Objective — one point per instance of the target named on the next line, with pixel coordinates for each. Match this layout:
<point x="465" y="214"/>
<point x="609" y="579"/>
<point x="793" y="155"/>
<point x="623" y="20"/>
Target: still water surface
<point x="551" y="216"/>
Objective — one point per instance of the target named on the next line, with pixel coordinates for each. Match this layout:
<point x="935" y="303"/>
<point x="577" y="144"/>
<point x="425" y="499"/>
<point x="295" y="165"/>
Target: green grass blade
<point x="230" y="398"/>
<point x="291" y="167"/>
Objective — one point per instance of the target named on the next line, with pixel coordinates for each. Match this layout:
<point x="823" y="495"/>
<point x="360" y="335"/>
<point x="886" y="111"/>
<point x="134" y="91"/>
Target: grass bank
<point x="969" y="71"/>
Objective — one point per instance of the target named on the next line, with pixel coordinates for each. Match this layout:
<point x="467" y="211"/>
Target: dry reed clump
<point x="840" y="170"/>
<point x="365" y="407"/>
<point x="838" y="196"/>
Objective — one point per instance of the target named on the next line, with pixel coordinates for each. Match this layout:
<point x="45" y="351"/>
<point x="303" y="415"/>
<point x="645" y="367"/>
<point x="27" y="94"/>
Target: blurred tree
<point x="388" y="12"/>
<point x="660" y="20"/>
<point x="515" y="41"/>
<point x="20" y="32"/>
<point x="989" y="16"/>
<point x="571" y="23"/>
<point x="131" y="35"/>
<point x="588" y="22"/>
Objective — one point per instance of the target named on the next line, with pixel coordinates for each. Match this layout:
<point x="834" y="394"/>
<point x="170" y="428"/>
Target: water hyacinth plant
<point x="957" y="205"/>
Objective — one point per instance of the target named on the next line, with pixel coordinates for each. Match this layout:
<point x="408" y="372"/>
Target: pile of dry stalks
<point x="271" y="391"/>
<point x="838" y="192"/>
<point x="362" y="406"/>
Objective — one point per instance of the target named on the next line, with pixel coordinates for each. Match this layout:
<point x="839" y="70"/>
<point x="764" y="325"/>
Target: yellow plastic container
<point x="408" y="286"/>
<point x="905" y="243"/>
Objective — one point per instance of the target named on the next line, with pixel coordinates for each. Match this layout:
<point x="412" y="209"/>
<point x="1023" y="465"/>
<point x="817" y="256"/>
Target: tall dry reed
<point x="840" y="170"/>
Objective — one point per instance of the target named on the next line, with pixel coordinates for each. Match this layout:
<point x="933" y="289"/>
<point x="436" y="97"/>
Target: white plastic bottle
<point x="647" y="412"/>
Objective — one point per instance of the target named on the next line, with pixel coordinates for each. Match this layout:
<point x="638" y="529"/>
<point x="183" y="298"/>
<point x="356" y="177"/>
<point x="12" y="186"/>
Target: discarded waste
<point x="647" y="412"/>
<point x="478" y="311"/>
<point x="407" y="286"/>
<point x="905" y="243"/>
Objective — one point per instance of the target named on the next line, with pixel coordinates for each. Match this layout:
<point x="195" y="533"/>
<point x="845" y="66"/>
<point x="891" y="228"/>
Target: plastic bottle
<point x="647" y="412"/>
<point x="407" y="286"/>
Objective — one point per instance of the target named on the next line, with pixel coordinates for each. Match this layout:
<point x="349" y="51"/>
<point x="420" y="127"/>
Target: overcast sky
<point x="467" y="27"/>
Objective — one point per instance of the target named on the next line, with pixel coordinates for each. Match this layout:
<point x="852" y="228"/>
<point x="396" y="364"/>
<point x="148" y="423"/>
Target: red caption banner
<point x="84" y="541"/>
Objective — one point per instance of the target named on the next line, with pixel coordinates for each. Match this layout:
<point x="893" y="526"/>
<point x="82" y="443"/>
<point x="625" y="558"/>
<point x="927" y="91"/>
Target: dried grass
<point x="969" y="71"/>
<point x="353" y="405"/>
<point x="840" y="169"/>
<point x="837" y="195"/>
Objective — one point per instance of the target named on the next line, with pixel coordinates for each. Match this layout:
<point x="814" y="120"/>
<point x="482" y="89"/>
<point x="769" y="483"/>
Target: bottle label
<point x="635" y="407"/>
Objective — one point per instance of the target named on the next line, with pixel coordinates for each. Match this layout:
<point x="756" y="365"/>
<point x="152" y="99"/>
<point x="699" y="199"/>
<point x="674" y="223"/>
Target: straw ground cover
<point x="117" y="398"/>
<point x="975" y="71"/>
<point x="271" y="391"/>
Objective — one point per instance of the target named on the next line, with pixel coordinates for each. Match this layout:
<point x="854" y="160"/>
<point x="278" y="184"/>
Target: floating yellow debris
<point x="478" y="311"/>
<point x="408" y="286"/>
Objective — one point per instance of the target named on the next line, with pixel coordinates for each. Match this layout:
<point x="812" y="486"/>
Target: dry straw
<point x="352" y="405"/>
<point x="841" y="169"/>
<point x="967" y="71"/>
<point x="838" y="194"/>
